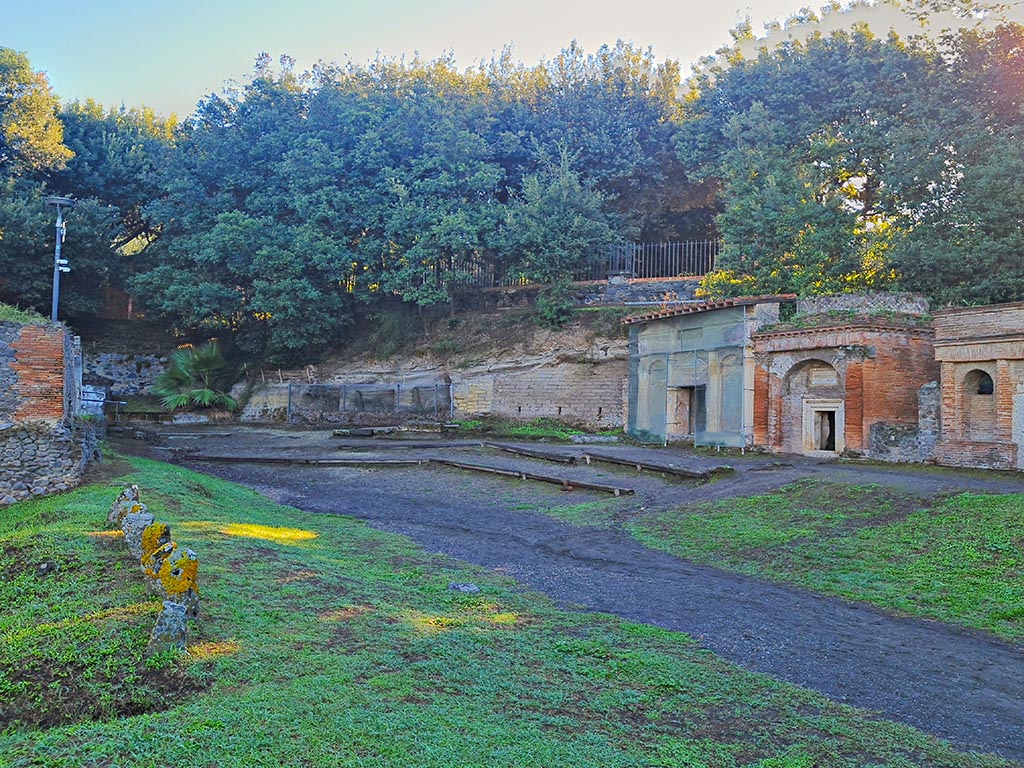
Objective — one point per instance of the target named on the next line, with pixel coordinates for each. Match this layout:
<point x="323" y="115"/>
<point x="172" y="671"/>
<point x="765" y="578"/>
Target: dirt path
<point x="956" y="684"/>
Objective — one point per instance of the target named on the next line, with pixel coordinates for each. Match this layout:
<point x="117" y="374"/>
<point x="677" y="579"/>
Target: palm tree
<point x="196" y="377"/>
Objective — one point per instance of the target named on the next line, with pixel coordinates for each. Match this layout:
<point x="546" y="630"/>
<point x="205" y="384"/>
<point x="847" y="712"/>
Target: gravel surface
<point x="957" y="684"/>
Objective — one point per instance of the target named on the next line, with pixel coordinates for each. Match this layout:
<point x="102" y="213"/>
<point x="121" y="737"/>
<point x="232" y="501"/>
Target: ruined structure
<point x="845" y="382"/>
<point x="691" y="370"/>
<point x="981" y="353"/>
<point x="44" y="447"/>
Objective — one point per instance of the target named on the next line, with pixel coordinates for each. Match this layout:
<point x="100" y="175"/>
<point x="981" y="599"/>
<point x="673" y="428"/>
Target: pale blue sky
<point x="168" y="54"/>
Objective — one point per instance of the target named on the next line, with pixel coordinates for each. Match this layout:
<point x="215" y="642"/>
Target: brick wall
<point x="879" y="368"/>
<point x="40" y="370"/>
<point x="977" y="429"/>
<point x="965" y="453"/>
<point x="43" y="449"/>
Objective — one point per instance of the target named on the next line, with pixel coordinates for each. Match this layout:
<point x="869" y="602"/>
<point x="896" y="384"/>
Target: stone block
<point x="171" y="630"/>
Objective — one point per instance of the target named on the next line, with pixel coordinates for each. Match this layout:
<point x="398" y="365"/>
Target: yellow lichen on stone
<point x="154" y="537"/>
<point x="126" y="502"/>
<point x="179" y="573"/>
<point x="152" y="562"/>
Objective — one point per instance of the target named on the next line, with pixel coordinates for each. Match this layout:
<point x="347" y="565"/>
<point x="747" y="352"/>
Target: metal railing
<point x="683" y="258"/>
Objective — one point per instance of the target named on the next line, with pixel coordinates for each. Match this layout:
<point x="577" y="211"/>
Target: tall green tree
<point x="31" y="135"/>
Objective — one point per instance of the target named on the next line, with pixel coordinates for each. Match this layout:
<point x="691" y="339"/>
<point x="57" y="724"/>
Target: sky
<point x="168" y="54"/>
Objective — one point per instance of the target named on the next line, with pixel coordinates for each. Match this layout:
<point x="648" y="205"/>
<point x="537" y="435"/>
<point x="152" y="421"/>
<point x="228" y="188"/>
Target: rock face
<point x="170" y="632"/>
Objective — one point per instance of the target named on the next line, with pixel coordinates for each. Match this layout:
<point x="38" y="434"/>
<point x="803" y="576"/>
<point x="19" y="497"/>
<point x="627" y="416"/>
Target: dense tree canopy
<point x="847" y="162"/>
<point x="285" y="206"/>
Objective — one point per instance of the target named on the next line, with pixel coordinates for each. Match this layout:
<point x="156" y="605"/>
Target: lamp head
<point x="59" y="202"/>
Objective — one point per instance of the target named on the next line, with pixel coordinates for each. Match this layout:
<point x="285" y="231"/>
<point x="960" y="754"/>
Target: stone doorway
<point x="823" y="427"/>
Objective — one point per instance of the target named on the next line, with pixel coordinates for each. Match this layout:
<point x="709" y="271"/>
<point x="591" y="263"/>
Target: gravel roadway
<point x="957" y="684"/>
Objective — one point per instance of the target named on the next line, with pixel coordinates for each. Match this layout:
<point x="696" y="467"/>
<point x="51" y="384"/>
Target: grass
<point x="322" y="642"/>
<point x="534" y="429"/>
<point x="12" y="314"/>
<point x="958" y="560"/>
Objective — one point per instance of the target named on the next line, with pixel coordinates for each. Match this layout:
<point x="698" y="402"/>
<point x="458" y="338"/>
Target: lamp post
<point x="59" y="264"/>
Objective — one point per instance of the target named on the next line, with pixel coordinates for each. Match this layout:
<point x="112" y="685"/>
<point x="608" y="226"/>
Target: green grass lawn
<point x="958" y="559"/>
<point x="322" y="642"/>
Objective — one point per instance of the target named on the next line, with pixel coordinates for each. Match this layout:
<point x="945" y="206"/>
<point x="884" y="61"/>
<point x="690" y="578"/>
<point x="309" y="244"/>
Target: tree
<point x="30" y="132"/>
<point x="966" y="243"/>
<point x="196" y="377"/>
<point x="556" y="226"/>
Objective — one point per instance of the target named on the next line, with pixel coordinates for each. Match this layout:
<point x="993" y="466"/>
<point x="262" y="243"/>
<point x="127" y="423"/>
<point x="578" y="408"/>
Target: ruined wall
<point x="43" y="449"/>
<point x="586" y="391"/>
<point x="864" y="303"/>
<point x="37" y="459"/>
<point x="589" y="393"/>
<point x="902" y="443"/>
<point x="124" y="373"/>
<point x="981" y="351"/>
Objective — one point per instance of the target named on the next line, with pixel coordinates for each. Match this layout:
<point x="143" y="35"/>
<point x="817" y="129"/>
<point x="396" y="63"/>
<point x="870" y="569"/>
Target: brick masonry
<point x="43" y="446"/>
<point x="982" y="426"/>
<point x="868" y="371"/>
<point x="589" y="393"/>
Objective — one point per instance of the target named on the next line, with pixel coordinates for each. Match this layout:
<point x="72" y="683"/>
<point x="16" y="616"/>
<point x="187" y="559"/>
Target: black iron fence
<point x="683" y="258"/>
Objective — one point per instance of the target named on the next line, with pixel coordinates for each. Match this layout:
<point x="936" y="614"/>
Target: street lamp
<point x="59" y="264"/>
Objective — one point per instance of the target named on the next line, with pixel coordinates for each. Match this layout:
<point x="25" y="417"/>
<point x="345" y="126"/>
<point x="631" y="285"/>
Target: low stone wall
<point x="125" y="374"/>
<point x="265" y="402"/>
<point x="897" y="443"/>
<point x="168" y="571"/>
<point x="37" y="459"/>
<point x="638" y="292"/>
<point x="899" y="303"/>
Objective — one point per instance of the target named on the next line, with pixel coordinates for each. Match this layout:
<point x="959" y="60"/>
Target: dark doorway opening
<point x="825" y="430"/>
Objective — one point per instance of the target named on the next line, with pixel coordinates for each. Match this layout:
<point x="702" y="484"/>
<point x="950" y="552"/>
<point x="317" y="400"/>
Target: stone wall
<point x="865" y="303"/>
<point x="589" y="393"/>
<point x="37" y="459"/>
<point x="44" y="448"/>
<point x="123" y="373"/>
<point x="586" y="393"/>
<point x="637" y="292"/>
<point x="904" y="443"/>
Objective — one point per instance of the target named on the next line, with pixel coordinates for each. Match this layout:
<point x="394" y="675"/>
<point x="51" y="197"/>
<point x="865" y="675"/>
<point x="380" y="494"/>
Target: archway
<point x="977" y="392"/>
<point x="813" y="412"/>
